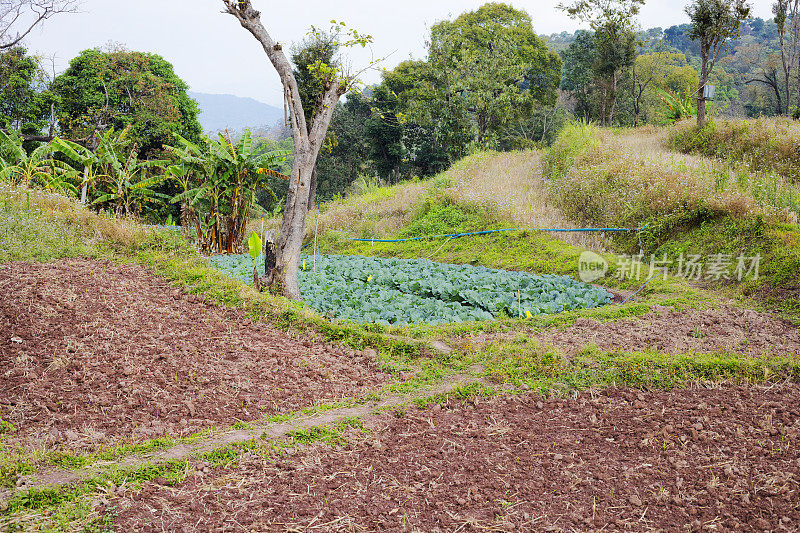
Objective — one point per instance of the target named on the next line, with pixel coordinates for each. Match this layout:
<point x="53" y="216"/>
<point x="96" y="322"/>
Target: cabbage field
<point x="401" y="292"/>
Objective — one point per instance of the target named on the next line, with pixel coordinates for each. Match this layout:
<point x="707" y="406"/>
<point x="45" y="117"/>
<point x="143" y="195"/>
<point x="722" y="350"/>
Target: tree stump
<point x="270" y="259"/>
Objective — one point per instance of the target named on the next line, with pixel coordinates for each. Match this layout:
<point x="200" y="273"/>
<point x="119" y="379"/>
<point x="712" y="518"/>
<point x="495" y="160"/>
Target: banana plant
<point x="255" y="246"/>
<point x="678" y="107"/>
<point x="131" y="184"/>
<point x="219" y="181"/>
<point x="83" y="157"/>
<point x="36" y="168"/>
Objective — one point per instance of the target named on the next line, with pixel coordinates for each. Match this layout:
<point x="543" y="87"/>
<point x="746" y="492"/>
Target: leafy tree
<point x="24" y="101"/>
<point x="678" y="38"/>
<point x="656" y="73"/>
<point x="124" y="89"/>
<point x="308" y="139"/>
<point x="350" y="150"/>
<point x="577" y="77"/>
<point x="385" y="133"/>
<point x="613" y="23"/>
<point x="436" y="124"/>
<point x="713" y="24"/>
<point x="502" y="68"/>
<point x="319" y="48"/>
<point x="757" y="63"/>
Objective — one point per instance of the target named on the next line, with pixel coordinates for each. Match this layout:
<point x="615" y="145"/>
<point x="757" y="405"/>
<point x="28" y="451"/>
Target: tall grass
<point x="40" y="225"/>
<point x="768" y="145"/>
<point x="506" y="187"/>
<point x="629" y="178"/>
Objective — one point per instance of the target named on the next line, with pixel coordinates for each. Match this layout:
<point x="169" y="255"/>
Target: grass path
<point x="271" y="431"/>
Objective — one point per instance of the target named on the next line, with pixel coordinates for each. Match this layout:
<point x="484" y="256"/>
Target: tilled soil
<point x="94" y="352"/>
<point x="722" y="459"/>
<point x="722" y="329"/>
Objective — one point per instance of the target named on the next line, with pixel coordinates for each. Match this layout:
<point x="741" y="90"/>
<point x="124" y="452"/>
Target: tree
<point x="308" y="140"/>
<point x="24" y="101"/>
<point x="761" y="65"/>
<point x="713" y="24"/>
<point x="500" y="66"/>
<point x="577" y="74"/>
<point x="350" y="148"/>
<point x="613" y="23"/>
<point x="436" y="126"/>
<point x="787" y="19"/>
<point x="19" y="17"/>
<point x="122" y="89"/>
<point x="656" y="73"/>
<point x="385" y="133"/>
<point x="319" y="48"/>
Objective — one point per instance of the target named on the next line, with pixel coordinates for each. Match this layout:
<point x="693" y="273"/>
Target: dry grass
<point x="763" y="144"/>
<point x="507" y="185"/>
<point x="40" y="225"/>
<point x="625" y="178"/>
<point x="511" y="186"/>
<point x="370" y="210"/>
<point x="373" y="211"/>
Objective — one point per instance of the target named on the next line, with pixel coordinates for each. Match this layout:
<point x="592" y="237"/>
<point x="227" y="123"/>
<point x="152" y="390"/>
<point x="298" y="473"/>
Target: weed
<point x="332" y="434"/>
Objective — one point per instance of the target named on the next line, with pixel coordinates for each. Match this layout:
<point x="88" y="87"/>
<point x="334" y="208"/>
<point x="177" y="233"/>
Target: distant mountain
<point x="220" y="111"/>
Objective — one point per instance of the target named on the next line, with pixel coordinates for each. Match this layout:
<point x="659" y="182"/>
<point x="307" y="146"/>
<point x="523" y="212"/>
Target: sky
<point x="214" y="54"/>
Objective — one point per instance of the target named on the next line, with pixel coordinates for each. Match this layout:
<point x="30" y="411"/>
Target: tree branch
<point x="250" y="19"/>
<point x="42" y="9"/>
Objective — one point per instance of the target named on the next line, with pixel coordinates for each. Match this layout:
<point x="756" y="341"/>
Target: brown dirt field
<point x="722" y="459"/>
<point x="722" y="329"/>
<point x="92" y="353"/>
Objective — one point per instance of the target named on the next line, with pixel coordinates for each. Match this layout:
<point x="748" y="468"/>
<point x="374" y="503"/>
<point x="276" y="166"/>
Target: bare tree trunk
<point x="307" y="143"/>
<point x="312" y="195"/>
<point x="85" y="187"/>
<point x="613" y="97"/>
<point x="701" y="102"/>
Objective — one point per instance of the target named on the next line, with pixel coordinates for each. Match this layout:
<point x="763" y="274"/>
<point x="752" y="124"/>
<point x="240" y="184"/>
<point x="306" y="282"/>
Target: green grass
<point x="65" y="505"/>
<point x="333" y="434"/>
<point x="525" y="361"/>
<point x="19" y="462"/>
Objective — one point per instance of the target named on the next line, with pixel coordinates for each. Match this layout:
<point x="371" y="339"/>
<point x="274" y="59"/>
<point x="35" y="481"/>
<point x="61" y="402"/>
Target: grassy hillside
<point x="767" y="145"/>
<point x="686" y="204"/>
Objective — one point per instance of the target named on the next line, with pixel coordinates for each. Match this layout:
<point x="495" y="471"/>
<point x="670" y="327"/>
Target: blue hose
<point x="458" y="235"/>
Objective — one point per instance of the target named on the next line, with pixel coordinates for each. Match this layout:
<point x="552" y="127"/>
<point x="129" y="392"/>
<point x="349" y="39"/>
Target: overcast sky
<point x="213" y="54"/>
